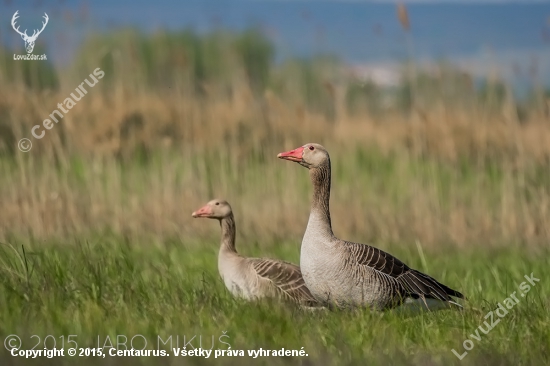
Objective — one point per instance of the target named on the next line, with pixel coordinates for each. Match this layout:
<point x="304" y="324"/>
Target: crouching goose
<point x="347" y="274"/>
<point x="253" y="278"/>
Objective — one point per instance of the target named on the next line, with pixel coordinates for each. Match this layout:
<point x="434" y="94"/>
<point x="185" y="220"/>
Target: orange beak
<point x="204" y="211"/>
<point x="292" y="155"/>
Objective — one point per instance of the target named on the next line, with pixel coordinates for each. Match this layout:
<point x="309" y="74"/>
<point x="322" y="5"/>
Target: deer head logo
<point x="29" y="40"/>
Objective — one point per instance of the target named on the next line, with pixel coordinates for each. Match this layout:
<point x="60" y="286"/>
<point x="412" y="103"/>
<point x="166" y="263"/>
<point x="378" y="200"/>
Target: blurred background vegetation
<point x="442" y="157"/>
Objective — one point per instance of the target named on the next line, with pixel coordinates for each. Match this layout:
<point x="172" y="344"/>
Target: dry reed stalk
<point x="403" y="16"/>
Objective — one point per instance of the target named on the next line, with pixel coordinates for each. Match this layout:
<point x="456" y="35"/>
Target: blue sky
<point x="477" y="34"/>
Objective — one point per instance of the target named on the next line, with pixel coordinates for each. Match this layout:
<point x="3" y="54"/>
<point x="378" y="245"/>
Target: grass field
<point x="106" y="285"/>
<point x="129" y="260"/>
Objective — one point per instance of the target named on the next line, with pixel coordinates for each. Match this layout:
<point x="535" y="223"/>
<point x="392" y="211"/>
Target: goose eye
<point x="217" y="203"/>
<point x="311" y="148"/>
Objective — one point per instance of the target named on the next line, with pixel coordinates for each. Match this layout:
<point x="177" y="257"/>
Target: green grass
<point x="108" y="285"/>
<point x="100" y="248"/>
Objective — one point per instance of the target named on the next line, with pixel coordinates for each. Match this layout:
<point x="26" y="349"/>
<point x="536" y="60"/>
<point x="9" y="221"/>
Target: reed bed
<point x="137" y="153"/>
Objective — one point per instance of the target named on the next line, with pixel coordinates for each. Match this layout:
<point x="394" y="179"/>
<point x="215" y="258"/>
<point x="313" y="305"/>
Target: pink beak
<point x="204" y="211"/>
<point x="292" y="155"/>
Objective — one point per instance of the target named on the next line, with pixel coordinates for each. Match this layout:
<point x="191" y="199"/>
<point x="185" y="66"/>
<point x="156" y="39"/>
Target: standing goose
<point x="349" y="274"/>
<point x="253" y="278"/>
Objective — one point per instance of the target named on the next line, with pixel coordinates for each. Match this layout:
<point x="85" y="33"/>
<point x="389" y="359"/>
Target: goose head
<point x="310" y="156"/>
<point x="215" y="209"/>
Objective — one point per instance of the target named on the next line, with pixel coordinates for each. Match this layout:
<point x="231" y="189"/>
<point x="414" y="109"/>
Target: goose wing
<point x="401" y="277"/>
<point x="287" y="278"/>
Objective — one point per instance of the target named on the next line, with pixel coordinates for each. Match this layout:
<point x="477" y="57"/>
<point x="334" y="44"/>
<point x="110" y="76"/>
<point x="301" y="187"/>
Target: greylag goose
<point x="347" y="274"/>
<point x="253" y="278"/>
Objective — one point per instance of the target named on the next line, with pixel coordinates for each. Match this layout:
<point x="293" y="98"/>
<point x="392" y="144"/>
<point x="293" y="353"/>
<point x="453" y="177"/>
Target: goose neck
<point x="228" y="234"/>
<point x="320" y="210"/>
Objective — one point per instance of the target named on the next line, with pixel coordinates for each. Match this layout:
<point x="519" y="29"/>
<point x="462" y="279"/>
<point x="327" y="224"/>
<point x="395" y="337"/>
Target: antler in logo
<point x="29" y="40"/>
